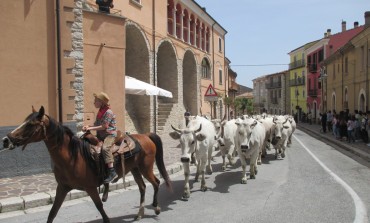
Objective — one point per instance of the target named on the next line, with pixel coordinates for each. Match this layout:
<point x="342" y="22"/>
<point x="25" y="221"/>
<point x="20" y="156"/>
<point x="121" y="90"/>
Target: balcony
<point x="312" y="92"/>
<point x="273" y="85"/>
<point x="297" y="82"/>
<point x="312" y="68"/>
<point x="297" y="64"/>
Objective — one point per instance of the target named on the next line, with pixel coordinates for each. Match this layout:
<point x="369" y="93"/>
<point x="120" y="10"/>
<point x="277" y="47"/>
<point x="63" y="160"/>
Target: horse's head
<point x="33" y="129"/>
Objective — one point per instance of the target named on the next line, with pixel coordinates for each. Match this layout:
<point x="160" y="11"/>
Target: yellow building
<point x="297" y="80"/>
<point x="347" y="74"/>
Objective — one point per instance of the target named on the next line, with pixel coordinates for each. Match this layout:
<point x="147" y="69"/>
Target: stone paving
<point x="33" y="184"/>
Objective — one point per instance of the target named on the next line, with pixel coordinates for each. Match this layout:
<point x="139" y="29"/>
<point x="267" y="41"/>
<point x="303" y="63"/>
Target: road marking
<point x="361" y="212"/>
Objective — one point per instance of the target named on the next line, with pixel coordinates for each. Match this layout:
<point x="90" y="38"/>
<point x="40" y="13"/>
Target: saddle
<point x="122" y="144"/>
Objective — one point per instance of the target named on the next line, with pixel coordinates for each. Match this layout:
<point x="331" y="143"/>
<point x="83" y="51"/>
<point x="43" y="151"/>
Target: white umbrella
<point x="135" y="86"/>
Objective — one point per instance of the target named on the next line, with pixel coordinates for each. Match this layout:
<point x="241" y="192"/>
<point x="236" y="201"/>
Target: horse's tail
<point x="159" y="159"/>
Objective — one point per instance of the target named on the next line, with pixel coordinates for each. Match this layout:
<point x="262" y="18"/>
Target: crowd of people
<point x="350" y="127"/>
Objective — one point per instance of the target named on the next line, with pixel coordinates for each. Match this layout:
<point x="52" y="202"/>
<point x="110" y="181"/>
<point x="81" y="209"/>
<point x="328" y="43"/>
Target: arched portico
<point x="189" y="79"/>
<point x="138" y="117"/>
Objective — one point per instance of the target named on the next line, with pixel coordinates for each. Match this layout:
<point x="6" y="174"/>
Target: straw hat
<point x="102" y="96"/>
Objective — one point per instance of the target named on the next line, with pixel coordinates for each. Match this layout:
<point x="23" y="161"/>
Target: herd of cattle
<point x="249" y="137"/>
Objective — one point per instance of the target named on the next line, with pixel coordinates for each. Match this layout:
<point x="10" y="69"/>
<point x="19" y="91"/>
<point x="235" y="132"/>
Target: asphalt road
<point x="313" y="183"/>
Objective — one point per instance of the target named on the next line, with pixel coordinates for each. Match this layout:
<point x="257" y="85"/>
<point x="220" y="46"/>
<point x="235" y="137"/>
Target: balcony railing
<point x="297" y="82"/>
<point x="297" y="64"/>
<point x="312" y="68"/>
<point x="273" y="85"/>
<point x="312" y="92"/>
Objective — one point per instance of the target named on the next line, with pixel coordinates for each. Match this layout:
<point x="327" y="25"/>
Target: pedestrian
<point x="309" y="116"/>
<point x="106" y="131"/>
<point x="335" y="125"/>
<point x="187" y="117"/>
<point x="350" y="129"/>
<point x="104" y="5"/>
<point x="329" y="120"/>
<point x="323" y="121"/>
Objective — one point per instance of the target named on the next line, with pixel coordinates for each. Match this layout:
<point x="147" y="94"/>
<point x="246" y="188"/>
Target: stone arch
<point x="167" y="71"/>
<point x="189" y="80"/>
<point x="362" y="101"/>
<point x="137" y="62"/>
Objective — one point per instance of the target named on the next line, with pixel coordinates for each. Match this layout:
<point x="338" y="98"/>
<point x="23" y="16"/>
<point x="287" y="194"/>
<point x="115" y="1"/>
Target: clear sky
<point x="262" y="32"/>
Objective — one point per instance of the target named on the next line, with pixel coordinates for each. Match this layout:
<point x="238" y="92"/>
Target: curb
<point x="358" y="152"/>
<point x="41" y="199"/>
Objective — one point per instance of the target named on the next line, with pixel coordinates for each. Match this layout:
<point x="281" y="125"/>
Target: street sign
<point x="210" y="91"/>
<point x="211" y="94"/>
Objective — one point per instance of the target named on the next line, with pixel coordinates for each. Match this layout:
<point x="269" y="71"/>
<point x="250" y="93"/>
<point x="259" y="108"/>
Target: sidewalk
<point x="359" y="148"/>
<point x="24" y="192"/>
<point x="21" y="193"/>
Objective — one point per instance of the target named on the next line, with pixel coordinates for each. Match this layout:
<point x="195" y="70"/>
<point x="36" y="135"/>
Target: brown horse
<point x="74" y="167"/>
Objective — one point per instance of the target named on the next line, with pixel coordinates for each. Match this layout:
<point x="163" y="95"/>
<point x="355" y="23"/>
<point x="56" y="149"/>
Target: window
<point x="346" y="65"/>
<point x="220" y="76"/>
<point x="136" y="2"/>
<point x="219" y="44"/>
<point x="205" y="69"/>
<point x="333" y="71"/>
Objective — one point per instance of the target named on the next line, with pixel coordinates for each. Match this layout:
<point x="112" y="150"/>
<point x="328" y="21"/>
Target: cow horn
<point x="177" y="130"/>
<point x="198" y="130"/>
<point x="285" y="121"/>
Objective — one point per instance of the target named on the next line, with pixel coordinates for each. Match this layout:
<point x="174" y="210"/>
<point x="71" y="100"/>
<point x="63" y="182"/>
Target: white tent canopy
<point x="135" y="86"/>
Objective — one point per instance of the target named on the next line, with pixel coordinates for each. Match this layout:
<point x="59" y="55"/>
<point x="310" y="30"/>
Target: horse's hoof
<point x="223" y="168"/>
<point x="157" y="210"/>
<point x="138" y="218"/>
<point x="243" y="181"/>
<point x="252" y="177"/>
<point x="259" y="163"/>
<point x="283" y="155"/>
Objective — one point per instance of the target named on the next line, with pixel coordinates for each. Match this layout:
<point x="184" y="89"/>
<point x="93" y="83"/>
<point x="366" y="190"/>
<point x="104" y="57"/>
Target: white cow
<point x="227" y="142"/>
<point x="198" y="137"/>
<point x="268" y="123"/>
<point x="294" y="126"/>
<point x="250" y="137"/>
<point x="283" y="129"/>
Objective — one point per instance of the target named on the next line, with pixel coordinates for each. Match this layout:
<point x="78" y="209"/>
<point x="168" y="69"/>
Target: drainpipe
<point x="154" y="66"/>
<point x="226" y="78"/>
<point x="367" y="74"/>
<point x="59" y="72"/>
<point x="213" y="69"/>
<point x="341" y="52"/>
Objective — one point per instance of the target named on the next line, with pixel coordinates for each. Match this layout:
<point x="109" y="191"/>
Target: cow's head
<point x="188" y="140"/>
<point x="244" y="131"/>
<point x="279" y="126"/>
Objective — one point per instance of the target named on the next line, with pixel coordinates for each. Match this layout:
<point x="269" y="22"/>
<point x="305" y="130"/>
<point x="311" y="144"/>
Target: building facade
<point x="66" y="50"/>
<point x="347" y="74"/>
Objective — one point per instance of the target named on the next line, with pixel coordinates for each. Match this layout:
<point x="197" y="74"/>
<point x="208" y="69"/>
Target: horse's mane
<point x="76" y="145"/>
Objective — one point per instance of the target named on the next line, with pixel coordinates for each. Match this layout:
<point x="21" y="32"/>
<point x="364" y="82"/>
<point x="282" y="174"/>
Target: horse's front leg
<point x="105" y="192"/>
<point x="59" y="198"/>
<point x="93" y="193"/>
